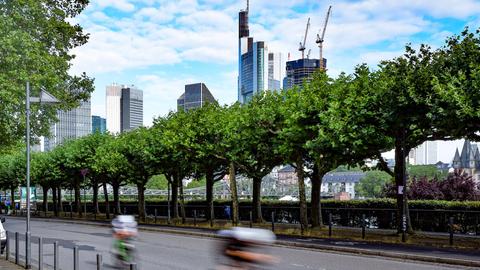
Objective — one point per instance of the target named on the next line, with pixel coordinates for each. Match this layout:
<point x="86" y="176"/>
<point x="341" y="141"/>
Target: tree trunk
<point x="141" y="201"/>
<point x="95" y="197"/>
<point x="78" y="203"/>
<point x="59" y="199"/>
<point x="257" y="200"/>
<point x="233" y="192"/>
<point x="301" y="192"/>
<point x="107" y="202"/>
<point x="400" y="167"/>
<point x="45" y="198"/>
<point x="175" y="198"/>
<point x="182" y="202"/>
<point x="316" y="197"/>
<point x="209" y="195"/>
<point x="12" y="199"/>
<point x="116" y="198"/>
<point x="54" y="199"/>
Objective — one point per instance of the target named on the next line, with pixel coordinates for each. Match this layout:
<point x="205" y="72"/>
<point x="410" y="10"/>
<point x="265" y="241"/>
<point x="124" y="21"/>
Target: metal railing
<point x="47" y="255"/>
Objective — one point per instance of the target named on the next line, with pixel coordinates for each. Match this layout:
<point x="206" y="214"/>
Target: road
<point x="169" y="251"/>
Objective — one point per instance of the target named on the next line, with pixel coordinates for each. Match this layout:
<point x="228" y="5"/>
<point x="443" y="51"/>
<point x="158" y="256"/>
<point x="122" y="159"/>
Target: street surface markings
<point x="344" y="243"/>
<point x="306" y="266"/>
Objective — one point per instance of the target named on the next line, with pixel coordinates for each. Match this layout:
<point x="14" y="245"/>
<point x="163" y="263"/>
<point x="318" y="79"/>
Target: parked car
<point x="3" y="236"/>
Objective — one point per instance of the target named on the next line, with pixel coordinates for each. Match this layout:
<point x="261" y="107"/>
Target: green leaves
<point x="35" y="43"/>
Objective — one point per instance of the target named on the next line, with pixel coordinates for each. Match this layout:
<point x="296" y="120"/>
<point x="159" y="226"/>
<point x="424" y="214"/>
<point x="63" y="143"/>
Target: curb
<point x="282" y="243"/>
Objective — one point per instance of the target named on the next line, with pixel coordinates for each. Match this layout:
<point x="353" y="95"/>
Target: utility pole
<point x="47" y="98"/>
<point x="27" y="233"/>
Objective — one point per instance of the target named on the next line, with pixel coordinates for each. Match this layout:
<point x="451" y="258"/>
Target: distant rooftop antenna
<point x="248" y="5"/>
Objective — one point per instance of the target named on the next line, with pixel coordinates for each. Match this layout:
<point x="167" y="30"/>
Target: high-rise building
<point x="424" y="154"/>
<point x="71" y="124"/>
<point x="253" y="63"/>
<point x="301" y="70"/>
<point x="124" y="106"/>
<point x="132" y="108"/>
<point x="275" y="71"/>
<point x="195" y="96"/>
<point x="113" y="108"/>
<point x="99" y="124"/>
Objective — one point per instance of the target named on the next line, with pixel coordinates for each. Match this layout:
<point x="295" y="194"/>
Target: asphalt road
<point x="169" y="251"/>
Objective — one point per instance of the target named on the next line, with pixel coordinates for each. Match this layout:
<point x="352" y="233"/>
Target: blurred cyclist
<point x="244" y="248"/>
<point x="124" y="232"/>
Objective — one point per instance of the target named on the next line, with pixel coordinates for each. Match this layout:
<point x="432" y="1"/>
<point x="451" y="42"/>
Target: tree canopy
<point x="36" y="39"/>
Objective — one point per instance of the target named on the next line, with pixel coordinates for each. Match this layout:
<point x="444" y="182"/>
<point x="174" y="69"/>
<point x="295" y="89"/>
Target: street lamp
<point x="84" y="173"/>
<point x="44" y="98"/>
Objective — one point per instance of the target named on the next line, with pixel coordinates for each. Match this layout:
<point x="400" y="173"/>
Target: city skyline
<point x="163" y="45"/>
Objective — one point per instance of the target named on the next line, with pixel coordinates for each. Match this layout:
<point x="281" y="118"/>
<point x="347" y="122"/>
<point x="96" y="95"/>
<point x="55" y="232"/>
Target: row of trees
<point x="423" y="95"/>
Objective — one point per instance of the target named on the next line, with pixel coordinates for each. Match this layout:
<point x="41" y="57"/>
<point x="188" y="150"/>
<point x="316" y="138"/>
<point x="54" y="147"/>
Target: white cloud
<point x="122" y="5"/>
<point x="152" y="35"/>
<point x="372" y="58"/>
<point x="160" y="94"/>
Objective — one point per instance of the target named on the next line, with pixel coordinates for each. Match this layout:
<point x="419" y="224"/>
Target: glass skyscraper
<point x="257" y="69"/>
<point x="195" y="96"/>
<point x="132" y="108"/>
<point x="301" y="70"/>
<point x="71" y="124"/>
<point x="99" y="124"/>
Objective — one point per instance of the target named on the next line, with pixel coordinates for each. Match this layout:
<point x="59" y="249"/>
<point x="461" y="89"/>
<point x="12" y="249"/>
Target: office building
<point x="300" y="71"/>
<point x="424" y="154"/>
<point x="196" y="95"/>
<point x="131" y="109"/>
<point x="71" y="124"/>
<point x="254" y="64"/>
<point x="99" y="124"/>
<point x="113" y="107"/>
<point x="124" y="108"/>
<point x="275" y="71"/>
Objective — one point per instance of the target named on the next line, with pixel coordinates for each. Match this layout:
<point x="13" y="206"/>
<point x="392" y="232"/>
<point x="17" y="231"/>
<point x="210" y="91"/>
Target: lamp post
<point x="84" y="173"/>
<point x="45" y="98"/>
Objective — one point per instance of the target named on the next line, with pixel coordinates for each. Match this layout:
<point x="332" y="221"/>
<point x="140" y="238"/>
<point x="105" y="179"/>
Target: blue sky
<point x="161" y="45"/>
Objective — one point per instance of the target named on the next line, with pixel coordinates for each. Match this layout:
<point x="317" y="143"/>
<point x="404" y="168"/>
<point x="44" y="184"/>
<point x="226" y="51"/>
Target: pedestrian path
<point x="4" y="265"/>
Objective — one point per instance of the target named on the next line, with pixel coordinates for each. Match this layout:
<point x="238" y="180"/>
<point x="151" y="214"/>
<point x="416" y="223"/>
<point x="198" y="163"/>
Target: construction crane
<point x="302" y="45"/>
<point x="321" y="38"/>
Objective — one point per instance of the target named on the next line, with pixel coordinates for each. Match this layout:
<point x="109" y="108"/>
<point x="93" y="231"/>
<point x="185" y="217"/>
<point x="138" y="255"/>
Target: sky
<point x="161" y="45"/>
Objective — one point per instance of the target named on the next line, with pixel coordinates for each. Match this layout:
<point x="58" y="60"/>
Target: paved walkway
<point x="4" y="265"/>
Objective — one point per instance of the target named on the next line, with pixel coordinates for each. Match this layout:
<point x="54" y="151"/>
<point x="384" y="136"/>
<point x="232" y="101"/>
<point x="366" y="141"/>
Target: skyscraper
<point x="424" y="154"/>
<point x="195" y="96"/>
<point x="301" y="70"/>
<point x="113" y="107"/>
<point x="99" y="124"/>
<point x="275" y="71"/>
<point x="71" y="124"/>
<point x="131" y="109"/>
<point x="253" y="63"/>
<point x="124" y="107"/>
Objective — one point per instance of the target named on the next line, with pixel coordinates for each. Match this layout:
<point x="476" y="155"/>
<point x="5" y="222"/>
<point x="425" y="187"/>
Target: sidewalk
<point x="6" y="265"/>
<point x="449" y="256"/>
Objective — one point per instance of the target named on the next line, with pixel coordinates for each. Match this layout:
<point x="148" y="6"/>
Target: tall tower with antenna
<point x="258" y="68"/>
